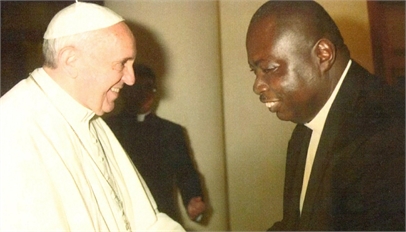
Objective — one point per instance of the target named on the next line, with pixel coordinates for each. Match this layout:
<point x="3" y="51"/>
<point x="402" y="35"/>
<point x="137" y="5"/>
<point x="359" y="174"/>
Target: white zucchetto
<point x="81" y="17"/>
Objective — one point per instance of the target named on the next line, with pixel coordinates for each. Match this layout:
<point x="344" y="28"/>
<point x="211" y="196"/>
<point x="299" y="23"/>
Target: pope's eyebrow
<point x="119" y="64"/>
<point x="124" y="60"/>
<point x="127" y="59"/>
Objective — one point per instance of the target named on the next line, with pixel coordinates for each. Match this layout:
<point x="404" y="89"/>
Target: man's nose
<point x="260" y="85"/>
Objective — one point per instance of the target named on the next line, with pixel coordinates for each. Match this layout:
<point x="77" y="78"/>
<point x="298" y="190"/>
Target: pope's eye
<point x="119" y="66"/>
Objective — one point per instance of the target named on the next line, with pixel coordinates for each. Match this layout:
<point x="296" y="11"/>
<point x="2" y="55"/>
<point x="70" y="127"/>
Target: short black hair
<point x="303" y="14"/>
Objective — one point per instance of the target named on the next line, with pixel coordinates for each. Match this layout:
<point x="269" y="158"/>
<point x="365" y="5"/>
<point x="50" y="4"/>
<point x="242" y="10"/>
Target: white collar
<point x="141" y="117"/>
<point x="72" y="110"/>
<point x="317" y="123"/>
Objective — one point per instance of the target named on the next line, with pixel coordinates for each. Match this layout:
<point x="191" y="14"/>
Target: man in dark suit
<point x="345" y="167"/>
<point x="158" y="148"/>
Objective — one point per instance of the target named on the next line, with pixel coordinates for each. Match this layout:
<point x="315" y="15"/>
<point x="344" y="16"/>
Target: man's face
<point x="106" y="67"/>
<point x="140" y="97"/>
<point x="288" y="79"/>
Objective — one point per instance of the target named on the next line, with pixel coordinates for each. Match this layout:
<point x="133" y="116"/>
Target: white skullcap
<point x="81" y="17"/>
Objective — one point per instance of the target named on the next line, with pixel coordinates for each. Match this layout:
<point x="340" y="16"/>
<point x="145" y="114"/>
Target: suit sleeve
<point x="187" y="177"/>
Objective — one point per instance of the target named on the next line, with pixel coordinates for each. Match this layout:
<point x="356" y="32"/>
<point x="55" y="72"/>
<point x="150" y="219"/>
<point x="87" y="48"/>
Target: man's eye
<point x="266" y="70"/>
<point x="272" y="69"/>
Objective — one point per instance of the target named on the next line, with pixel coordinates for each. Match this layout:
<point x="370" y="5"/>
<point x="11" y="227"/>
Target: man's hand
<point x="195" y="207"/>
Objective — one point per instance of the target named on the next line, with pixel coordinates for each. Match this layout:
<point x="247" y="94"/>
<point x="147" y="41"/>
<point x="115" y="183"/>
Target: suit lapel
<point x="318" y="196"/>
<point x="295" y="164"/>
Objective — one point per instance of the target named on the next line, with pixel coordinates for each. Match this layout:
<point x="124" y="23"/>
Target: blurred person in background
<point x="159" y="148"/>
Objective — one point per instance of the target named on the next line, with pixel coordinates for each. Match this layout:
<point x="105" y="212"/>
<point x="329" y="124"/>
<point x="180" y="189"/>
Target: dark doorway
<point x="23" y="24"/>
<point x="387" y="20"/>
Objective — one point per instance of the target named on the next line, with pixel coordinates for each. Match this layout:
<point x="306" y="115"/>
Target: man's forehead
<point x="264" y="22"/>
<point x="261" y="31"/>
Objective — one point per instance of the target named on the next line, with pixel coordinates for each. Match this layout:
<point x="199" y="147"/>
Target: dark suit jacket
<point x="358" y="177"/>
<point x="159" y="150"/>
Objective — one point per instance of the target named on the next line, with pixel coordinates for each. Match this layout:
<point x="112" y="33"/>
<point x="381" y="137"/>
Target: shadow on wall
<point x="150" y="53"/>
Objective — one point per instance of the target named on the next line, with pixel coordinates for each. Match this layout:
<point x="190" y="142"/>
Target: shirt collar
<point x="72" y="110"/>
<point x="141" y="117"/>
<point x="317" y="123"/>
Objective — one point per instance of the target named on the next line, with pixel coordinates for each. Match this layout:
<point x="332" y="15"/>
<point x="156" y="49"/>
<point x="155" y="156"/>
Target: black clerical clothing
<point x="160" y="151"/>
<point x="357" y="181"/>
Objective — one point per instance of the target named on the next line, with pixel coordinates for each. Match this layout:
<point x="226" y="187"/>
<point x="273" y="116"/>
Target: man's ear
<point x="68" y="57"/>
<point x="326" y="54"/>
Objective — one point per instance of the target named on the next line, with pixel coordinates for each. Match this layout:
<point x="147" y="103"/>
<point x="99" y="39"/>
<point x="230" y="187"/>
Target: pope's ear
<point x="326" y="54"/>
<point x="67" y="60"/>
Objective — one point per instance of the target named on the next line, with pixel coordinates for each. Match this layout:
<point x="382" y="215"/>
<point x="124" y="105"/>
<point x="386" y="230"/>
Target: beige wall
<point x="352" y="19"/>
<point x="198" y="47"/>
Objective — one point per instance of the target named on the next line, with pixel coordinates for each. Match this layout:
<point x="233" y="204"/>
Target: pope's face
<point x="288" y="79"/>
<point x="106" y="68"/>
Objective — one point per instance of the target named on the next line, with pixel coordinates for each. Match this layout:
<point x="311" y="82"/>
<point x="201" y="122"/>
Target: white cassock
<point x="62" y="169"/>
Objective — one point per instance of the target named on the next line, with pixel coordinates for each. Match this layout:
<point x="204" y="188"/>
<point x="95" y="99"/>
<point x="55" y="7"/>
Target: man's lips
<point x="272" y="105"/>
<point x="269" y="104"/>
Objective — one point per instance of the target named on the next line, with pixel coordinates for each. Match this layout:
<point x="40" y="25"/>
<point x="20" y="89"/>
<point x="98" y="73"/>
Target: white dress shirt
<point x="317" y="125"/>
